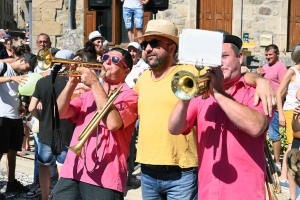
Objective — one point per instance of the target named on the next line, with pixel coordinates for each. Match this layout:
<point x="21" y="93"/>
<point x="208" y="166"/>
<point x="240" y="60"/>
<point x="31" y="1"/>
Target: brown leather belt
<point x="165" y="168"/>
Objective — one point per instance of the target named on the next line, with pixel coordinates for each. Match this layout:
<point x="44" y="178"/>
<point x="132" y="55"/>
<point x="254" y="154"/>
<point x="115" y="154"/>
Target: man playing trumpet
<point x="103" y="170"/>
<point x="231" y="131"/>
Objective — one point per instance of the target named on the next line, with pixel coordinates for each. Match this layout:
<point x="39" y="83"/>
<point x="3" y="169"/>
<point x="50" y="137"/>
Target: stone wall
<point x="51" y="17"/>
<point x="265" y="16"/>
<point x="180" y="12"/>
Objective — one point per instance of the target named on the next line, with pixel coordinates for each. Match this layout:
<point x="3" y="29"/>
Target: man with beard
<point x="169" y="162"/>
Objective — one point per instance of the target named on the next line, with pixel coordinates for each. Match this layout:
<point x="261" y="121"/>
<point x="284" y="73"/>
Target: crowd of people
<point x="188" y="149"/>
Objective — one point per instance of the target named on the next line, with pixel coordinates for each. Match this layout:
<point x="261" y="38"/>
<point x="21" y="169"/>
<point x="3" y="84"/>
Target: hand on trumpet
<point x="216" y="82"/>
<point x="88" y="76"/>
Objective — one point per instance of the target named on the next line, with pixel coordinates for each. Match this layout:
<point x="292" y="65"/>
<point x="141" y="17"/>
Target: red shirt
<point x="113" y="147"/>
<point x="231" y="162"/>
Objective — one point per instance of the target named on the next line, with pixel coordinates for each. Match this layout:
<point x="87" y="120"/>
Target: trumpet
<point x="186" y="85"/>
<point x="45" y="61"/>
<point x="93" y="123"/>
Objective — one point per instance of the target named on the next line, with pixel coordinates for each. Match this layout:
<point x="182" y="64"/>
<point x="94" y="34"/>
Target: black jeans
<point x="72" y="189"/>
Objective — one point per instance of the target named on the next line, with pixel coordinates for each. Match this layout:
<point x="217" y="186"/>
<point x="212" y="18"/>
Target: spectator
<point x="8" y="45"/>
<point x="274" y="71"/>
<point x="133" y="14"/>
<point x="11" y="122"/>
<point x="139" y="65"/>
<point x="287" y="90"/>
<point x="97" y="39"/>
<point x="43" y="94"/>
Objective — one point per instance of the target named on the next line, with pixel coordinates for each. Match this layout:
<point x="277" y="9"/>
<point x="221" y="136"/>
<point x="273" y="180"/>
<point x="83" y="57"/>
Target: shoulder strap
<point x="4" y="69"/>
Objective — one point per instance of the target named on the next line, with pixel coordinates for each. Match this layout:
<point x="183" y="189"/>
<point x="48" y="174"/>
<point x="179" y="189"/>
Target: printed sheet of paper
<point x="202" y="46"/>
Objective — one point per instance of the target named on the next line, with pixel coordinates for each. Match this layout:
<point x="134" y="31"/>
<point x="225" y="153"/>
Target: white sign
<point x="201" y="46"/>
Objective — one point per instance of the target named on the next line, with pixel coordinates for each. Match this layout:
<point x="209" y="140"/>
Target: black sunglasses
<point x="153" y="43"/>
<point x="114" y="59"/>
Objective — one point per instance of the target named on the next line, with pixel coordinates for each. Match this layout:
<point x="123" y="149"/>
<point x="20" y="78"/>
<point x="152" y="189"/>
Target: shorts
<point x="296" y="144"/>
<point x="67" y="188"/>
<point x="45" y="155"/>
<point x="133" y="16"/>
<point x="273" y="131"/>
<point x="288" y="115"/>
<point x="11" y="134"/>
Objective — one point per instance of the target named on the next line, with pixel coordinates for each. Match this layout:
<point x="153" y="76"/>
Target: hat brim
<point x="96" y="38"/>
<point x="171" y="37"/>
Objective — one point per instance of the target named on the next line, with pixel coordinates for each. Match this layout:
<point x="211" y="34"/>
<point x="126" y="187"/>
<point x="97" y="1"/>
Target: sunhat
<point x="164" y="28"/>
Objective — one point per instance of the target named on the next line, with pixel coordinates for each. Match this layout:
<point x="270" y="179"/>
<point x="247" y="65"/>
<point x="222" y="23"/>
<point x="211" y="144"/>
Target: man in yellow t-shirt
<point x="168" y="162"/>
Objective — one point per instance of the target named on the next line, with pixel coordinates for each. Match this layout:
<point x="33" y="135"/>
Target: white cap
<point x="95" y="34"/>
<point x="2" y="40"/>
<point x="135" y="45"/>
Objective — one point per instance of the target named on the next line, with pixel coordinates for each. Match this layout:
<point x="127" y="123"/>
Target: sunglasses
<point x="153" y="43"/>
<point x="114" y="59"/>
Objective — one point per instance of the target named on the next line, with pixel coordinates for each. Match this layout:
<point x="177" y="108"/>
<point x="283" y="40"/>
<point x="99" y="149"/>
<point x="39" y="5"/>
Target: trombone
<point x="185" y="85"/>
<point x="272" y="179"/>
<point x="93" y="123"/>
<point x="45" y="61"/>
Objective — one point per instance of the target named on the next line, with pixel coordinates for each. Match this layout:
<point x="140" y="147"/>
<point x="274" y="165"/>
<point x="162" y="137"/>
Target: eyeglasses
<point x="153" y="43"/>
<point x="43" y="42"/>
<point x="114" y="59"/>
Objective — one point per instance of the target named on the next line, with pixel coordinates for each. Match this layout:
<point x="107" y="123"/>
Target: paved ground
<point x="24" y="173"/>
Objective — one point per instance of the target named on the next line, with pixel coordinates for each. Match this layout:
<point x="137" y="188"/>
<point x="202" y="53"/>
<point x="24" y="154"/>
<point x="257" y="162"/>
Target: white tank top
<point x="132" y="4"/>
<point x="291" y="102"/>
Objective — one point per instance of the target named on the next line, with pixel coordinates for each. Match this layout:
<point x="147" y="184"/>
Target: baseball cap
<point x="31" y="59"/>
<point x="233" y="39"/>
<point x="95" y="34"/>
<point x="135" y="45"/>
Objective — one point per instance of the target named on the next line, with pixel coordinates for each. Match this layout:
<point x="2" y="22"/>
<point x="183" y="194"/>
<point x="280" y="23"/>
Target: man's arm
<point x="33" y="107"/>
<point x="177" y="122"/>
<point x="247" y="119"/>
<point x="112" y="118"/>
<point x="264" y="92"/>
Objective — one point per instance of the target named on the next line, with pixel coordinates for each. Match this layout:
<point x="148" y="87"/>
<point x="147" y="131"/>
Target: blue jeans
<point x="45" y="155"/>
<point x="133" y="16"/>
<point x="162" y="185"/>
<point x="274" y="134"/>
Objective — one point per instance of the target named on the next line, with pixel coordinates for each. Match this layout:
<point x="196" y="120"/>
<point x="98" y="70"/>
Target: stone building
<point x="7" y="20"/>
<point x="257" y="21"/>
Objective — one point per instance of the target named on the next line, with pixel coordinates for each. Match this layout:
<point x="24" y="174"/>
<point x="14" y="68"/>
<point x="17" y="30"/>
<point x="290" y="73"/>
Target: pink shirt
<point x="113" y="147"/>
<point x="275" y="74"/>
<point x="231" y="162"/>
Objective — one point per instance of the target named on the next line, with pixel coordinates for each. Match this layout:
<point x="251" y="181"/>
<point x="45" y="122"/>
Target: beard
<point x="157" y="64"/>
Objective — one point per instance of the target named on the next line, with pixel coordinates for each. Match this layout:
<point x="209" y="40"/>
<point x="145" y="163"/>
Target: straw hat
<point x="162" y="28"/>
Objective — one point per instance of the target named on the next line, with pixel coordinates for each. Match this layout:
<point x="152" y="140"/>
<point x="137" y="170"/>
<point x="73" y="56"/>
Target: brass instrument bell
<point x="185" y="85"/>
